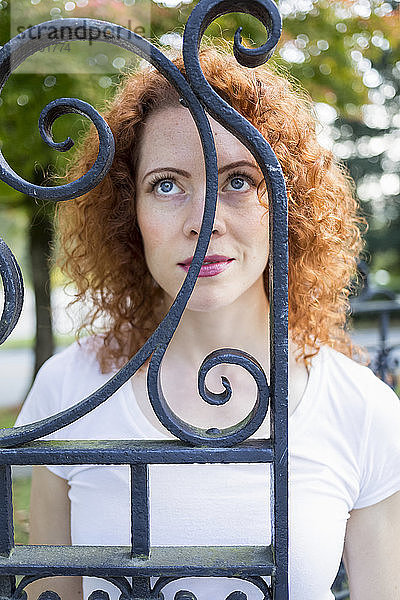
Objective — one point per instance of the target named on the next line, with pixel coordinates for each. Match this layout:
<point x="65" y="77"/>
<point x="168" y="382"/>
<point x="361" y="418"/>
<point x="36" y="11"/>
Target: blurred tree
<point x="23" y="97"/>
<point x="317" y="45"/>
<point x="371" y="148"/>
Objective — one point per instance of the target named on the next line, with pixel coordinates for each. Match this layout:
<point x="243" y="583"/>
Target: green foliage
<point x="319" y="41"/>
<point x="315" y="49"/>
<point x="321" y="48"/>
<point x="23" y="98"/>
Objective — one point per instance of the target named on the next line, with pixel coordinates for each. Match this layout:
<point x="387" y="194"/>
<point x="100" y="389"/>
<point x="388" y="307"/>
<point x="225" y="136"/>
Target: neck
<point x="243" y="325"/>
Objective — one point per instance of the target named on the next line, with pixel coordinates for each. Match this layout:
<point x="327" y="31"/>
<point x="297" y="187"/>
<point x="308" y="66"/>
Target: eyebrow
<point x="228" y="167"/>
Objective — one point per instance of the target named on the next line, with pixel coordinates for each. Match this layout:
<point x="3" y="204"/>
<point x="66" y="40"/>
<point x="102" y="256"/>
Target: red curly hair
<point x="100" y="246"/>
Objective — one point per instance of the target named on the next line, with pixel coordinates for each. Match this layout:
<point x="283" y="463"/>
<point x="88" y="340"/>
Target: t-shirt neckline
<point x="298" y="415"/>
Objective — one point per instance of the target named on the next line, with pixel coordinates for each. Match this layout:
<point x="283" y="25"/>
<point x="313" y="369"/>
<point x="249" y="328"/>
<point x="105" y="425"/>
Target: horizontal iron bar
<point x="214" y="561"/>
<point x="120" y="452"/>
<point x="374" y="306"/>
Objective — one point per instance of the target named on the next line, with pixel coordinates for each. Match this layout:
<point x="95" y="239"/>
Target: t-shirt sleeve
<point x="380" y="458"/>
<point x="44" y="400"/>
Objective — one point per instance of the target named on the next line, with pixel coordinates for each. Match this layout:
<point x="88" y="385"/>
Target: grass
<point x="8" y="416"/>
<point x="21" y="497"/>
<point x="21" y="488"/>
<point x="23" y="344"/>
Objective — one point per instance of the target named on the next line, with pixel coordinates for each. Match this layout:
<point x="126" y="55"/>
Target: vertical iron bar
<point x="141" y="588"/>
<point x="278" y="294"/>
<point x="140" y="531"/>
<point x="7" y="587"/>
<point x="7" y="583"/>
<point x="383" y="357"/>
<point x="6" y="511"/>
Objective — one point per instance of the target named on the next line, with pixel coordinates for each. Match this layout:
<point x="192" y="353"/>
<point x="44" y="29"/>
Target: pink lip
<point x="219" y="263"/>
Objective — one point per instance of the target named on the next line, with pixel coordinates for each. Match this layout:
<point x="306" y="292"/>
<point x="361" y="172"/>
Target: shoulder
<point x="63" y="379"/>
<point x="340" y="364"/>
<point x="354" y="399"/>
<point x="79" y="357"/>
<point x="73" y="367"/>
<point x="361" y="415"/>
<point x="355" y="381"/>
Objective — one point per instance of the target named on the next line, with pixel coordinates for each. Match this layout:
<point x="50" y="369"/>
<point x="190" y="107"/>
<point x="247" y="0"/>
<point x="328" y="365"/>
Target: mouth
<point x="212" y="265"/>
<point x="211" y="259"/>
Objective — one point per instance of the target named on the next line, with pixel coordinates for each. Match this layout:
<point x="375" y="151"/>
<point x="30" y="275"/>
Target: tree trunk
<point x="40" y="237"/>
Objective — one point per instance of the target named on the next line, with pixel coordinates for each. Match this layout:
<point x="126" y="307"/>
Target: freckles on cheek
<point x="152" y="230"/>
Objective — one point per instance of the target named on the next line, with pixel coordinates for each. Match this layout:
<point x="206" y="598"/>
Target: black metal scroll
<point x="13" y="291"/>
<point x="126" y="590"/>
<point x="120" y="583"/>
<point x="201" y="16"/>
<point x="198" y="97"/>
<point x="379" y="302"/>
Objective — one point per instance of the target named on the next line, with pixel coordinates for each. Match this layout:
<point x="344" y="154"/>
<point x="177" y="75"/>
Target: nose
<point x="194" y="218"/>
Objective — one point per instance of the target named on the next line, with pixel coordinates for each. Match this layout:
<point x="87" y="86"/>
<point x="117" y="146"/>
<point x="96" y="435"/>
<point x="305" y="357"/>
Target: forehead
<point x="171" y="133"/>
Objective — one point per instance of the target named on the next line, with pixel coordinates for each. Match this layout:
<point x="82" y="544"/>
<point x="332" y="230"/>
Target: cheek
<point x="255" y="231"/>
<point x="151" y="235"/>
<point x="152" y="228"/>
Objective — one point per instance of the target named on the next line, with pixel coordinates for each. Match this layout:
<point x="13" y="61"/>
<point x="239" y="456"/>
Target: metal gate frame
<point x="22" y="445"/>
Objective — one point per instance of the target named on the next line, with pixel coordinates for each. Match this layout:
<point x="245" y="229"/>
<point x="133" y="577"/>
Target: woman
<point x="127" y="246"/>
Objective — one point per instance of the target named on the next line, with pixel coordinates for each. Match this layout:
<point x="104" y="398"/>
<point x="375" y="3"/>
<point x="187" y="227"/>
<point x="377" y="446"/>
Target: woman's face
<point x="170" y="184"/>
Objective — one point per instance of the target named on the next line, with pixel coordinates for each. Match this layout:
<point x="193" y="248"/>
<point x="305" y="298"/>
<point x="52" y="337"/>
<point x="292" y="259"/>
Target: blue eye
<point x="164" y="186"/>
<point x="239" y="183"/>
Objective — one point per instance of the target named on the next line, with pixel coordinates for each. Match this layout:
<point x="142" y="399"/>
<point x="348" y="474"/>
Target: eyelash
<point x="158" y="178"/>
<point x="242" y="175"/>
<point x="170" y="177"/>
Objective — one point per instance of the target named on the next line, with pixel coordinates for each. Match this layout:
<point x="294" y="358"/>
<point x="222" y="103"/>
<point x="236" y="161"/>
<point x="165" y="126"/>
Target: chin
<point x="209" y="303"/>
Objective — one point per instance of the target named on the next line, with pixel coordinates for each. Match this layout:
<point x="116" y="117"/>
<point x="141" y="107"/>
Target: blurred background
<point x="345" y="53"/>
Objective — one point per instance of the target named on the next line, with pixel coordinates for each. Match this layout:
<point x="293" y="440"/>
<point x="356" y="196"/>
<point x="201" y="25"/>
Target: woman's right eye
<point x="165" y="187"/>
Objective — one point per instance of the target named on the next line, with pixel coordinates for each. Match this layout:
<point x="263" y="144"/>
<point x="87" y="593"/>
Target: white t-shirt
<point x="344" y="453"/>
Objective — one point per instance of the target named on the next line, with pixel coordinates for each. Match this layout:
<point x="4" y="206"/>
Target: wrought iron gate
<point x="20" y="446"/>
